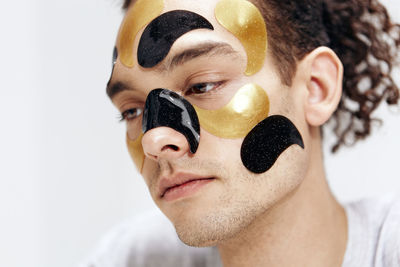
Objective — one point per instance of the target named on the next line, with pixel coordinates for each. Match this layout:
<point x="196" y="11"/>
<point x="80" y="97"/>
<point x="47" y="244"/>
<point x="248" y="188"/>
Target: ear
<point x="325" y="76"/>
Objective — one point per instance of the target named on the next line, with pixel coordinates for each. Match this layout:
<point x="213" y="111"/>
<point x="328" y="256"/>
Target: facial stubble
<point x="231" y="212"/>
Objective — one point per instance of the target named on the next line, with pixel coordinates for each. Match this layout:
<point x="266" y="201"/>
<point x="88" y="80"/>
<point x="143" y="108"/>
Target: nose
<point x="164" y="142"/>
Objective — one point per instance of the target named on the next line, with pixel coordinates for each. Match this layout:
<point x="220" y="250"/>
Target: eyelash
<point x="124" y="116"/>
<point x="216" y="85"/>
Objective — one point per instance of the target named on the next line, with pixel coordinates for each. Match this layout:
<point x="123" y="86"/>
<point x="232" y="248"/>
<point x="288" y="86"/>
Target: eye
<point x="201" y="88"/>
<point x="131" y="114"/>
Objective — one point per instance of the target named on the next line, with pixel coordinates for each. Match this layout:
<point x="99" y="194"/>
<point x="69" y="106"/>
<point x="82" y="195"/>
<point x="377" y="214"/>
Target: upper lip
<point x="180" y="178"/>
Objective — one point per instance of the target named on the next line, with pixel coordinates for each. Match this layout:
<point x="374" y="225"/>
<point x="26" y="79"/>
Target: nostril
<point x="164" y="142"/>
<point x="173" y="147"/>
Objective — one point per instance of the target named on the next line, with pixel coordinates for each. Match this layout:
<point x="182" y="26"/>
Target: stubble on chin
<point x="231" y="213"/>
<point x="217" y="225"/>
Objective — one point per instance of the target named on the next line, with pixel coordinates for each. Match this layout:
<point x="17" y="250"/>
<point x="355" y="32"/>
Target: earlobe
<point x="324" y="85"/>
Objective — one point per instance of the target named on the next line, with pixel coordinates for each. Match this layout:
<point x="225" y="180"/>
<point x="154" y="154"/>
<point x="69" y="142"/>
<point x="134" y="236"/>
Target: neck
<point x="307" y="228"/>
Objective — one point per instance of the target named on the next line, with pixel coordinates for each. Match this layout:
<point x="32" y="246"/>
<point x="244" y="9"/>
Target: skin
<point x="284" y="217"/>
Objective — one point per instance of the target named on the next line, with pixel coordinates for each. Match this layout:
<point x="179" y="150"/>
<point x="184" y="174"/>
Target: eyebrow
<point x="179" y="59"/>
<point x="117" y="87"/>
<point x="200" y="50"/>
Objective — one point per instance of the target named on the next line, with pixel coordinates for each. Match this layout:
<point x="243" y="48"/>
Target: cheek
<point x="134" y="143"/>
<point x="290" y="170"/>
<point x="277" y="183"/>
<point x="267" y="141"/>
<point x="246" y="116"/>
<point x="221" y="150"/>
<point x="248" y="107"/>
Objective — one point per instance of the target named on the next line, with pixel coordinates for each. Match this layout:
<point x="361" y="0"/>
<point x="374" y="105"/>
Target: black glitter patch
<point x="159" y="36"/>
<point x="115" y="56"/>
<point x="166" y="108"/>
<point x="114" y="60"/>
<point x="267" y="141"/>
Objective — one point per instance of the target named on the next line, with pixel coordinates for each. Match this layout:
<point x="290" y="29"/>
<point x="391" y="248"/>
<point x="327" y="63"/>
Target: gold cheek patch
<point x="248" y="107"/>
<point x="143" y="12"/>
<point x="244" y="20"/>
<point x="135" y="149"/>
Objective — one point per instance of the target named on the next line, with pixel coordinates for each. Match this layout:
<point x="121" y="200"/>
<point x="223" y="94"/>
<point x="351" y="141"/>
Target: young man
<point x="224" y="100"/>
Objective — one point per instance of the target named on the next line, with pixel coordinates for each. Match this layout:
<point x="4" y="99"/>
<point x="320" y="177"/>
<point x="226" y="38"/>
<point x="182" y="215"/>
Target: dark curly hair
<point x="362" y="35"/>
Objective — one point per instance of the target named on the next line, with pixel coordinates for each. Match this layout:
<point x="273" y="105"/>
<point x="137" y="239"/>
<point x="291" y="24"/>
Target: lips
<point x="172" y="184"/>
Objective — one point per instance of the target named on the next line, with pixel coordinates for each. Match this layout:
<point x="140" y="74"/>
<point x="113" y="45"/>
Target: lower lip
<point x="186" y="189"/>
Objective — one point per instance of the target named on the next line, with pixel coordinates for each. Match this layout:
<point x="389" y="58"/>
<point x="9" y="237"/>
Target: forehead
<point x="143" y="12"/>
<point x="239" y="17"/>
<point x="204" y="7"/>
<point x="236" y="23"/>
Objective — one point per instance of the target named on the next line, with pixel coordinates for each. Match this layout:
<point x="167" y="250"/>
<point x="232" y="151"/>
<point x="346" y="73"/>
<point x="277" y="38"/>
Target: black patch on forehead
<point x="166" y="108"/>
<point x="115" y="56"/>
<point x="267" y="141"/>
<point x="114" y="60"/>
<point x="159" y="36"/>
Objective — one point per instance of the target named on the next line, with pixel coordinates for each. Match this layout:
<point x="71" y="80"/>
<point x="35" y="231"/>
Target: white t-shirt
<point x="151" y="241"/>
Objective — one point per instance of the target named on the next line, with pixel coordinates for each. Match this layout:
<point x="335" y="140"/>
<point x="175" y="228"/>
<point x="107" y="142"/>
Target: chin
<point x="211" y="227"/>
<point x="203" y="232"/>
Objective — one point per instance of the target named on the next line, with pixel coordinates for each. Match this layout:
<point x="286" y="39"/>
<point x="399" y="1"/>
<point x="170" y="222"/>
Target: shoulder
<point x="149" y="240"/>
<point x="374" y="232"/>
<point x="389" y="241"/>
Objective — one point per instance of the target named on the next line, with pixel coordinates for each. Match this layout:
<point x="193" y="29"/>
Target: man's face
<point x="219" y="196"/>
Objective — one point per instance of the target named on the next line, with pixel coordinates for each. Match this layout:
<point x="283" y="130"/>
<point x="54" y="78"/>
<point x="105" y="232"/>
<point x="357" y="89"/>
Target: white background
<point x="65" y="174"/>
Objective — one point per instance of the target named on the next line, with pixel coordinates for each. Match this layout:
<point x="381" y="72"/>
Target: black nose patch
<point x="267" y="141"/>
<point x="166" y="108"/>
<point x="159" y="36"/>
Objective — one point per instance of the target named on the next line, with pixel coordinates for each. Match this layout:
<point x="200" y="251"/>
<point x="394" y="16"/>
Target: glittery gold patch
<point x="142" y="12"/>
<point x="135" y="149"/>
<point x="248" y="107"/>
<point x="244" y="20"/>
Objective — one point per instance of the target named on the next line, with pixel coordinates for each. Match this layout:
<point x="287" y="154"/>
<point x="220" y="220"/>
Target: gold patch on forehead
<point x="135" y="149"/>
<point x="248" y="107"/>
<point x="142" y="13"/>
<point x="244" y="20"/>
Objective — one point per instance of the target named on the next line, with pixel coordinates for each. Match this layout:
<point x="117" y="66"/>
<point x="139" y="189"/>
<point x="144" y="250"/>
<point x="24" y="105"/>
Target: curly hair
<point x="362" y="35"/>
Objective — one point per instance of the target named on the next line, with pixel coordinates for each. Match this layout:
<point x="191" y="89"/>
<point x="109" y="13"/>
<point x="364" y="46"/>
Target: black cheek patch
<point x="267" y="141"/>
<point x="166" y="108"/>
<point x="159" y="36"/>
